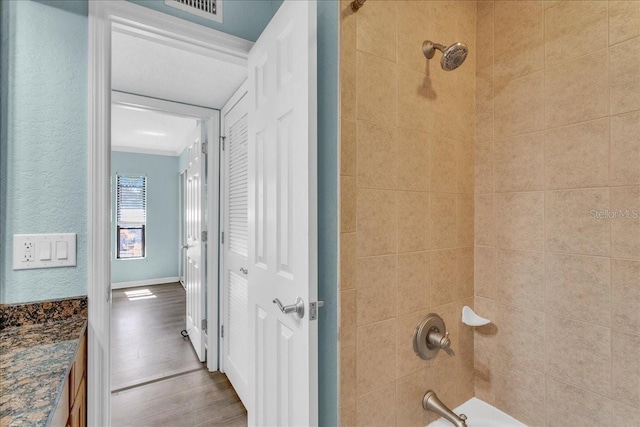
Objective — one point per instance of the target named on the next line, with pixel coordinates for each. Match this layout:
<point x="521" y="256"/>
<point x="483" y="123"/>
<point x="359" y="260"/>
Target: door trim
<point x="126" y="17"/>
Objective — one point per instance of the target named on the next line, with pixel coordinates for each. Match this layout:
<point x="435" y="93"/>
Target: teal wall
<point x="162" y="217"/>
<point x="241" y="18"/>
<point x="328" y="39"/>
<point x="43" y="140"/>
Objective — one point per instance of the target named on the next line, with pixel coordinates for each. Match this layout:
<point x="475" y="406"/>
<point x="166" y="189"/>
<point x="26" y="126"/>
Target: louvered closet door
<point x="236" y="338"/>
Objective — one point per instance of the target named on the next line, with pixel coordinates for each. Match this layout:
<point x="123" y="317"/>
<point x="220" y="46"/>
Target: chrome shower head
<point x="452" y="56"/>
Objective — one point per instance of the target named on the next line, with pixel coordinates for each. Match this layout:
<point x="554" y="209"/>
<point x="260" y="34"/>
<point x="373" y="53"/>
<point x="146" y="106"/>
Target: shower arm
<point x="428" y="48"/>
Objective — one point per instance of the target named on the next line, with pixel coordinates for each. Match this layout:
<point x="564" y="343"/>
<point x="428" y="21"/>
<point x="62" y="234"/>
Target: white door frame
<point x="126" y="17"/>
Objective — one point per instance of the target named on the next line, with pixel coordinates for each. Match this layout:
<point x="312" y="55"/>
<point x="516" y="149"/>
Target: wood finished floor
<point x="156" y="377"/>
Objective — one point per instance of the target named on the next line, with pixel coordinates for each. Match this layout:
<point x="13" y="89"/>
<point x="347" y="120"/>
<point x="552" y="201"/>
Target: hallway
<point x="156" y="377"/>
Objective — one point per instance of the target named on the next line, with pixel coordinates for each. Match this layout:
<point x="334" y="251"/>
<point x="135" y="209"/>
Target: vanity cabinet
<point x="72" y="406"/>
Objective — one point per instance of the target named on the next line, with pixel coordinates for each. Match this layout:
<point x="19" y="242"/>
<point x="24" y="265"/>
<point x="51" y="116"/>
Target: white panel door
<point x="282" y="94"/>
<point x="196" y="250"/>
<point x="235" y="360"/>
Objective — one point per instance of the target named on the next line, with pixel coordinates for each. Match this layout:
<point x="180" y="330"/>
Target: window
<point x="131" y="216"/>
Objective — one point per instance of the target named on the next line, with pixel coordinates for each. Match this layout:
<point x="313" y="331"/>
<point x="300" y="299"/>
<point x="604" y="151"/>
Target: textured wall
<point x="44" y="139"/>
<point x="406" y="242"/>
<point x="162" y="246"/>
<point x="558" y="143"/>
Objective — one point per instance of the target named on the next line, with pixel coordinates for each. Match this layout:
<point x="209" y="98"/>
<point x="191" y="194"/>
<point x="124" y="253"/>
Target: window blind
<point x="132" y="200"/>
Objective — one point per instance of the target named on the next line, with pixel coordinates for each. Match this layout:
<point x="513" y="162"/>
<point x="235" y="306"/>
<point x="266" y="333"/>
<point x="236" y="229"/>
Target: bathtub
<point x="480" y="414"/>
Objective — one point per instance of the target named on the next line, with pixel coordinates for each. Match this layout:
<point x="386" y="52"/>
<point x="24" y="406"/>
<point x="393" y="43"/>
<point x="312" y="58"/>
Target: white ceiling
<point x="149" y="68"/>
<point x="141" y="131"/>
<point x="155" y="70"/>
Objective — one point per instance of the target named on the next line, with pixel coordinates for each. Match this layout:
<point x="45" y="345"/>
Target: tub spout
<point x="430" y="402"/>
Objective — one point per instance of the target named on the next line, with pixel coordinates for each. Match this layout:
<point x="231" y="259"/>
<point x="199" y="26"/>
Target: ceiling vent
<point x="209" y="9"/>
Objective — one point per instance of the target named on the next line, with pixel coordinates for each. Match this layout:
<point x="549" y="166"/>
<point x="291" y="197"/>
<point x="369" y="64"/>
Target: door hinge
<point x="203" y="236"/>
<point x="222" y="238"/>
<point x="203" y="324"/>
<point x="313" y="309"/>
<point x="221" y="331"/>
<point x="222" y="140"/>
<point x="204" y="148"/>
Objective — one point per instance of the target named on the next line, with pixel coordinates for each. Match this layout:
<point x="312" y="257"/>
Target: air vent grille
<point x="210" y="9"/>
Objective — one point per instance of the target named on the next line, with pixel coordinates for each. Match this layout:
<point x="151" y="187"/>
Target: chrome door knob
<point x="297" y="307"/>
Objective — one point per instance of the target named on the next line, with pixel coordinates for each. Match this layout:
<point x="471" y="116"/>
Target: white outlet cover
<point x="26" y="250"/>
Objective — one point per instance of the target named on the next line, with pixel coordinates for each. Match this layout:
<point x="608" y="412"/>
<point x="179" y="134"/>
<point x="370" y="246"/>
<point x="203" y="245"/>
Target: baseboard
<point x="148" y="282"/>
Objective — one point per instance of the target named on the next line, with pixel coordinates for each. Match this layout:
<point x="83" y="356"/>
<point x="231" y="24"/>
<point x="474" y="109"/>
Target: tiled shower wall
<point x="406" y="207"/>
<point x="557" y="183"/>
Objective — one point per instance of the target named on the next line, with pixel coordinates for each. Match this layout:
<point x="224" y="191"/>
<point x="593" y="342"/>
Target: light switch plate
<point x="28" y="249"/>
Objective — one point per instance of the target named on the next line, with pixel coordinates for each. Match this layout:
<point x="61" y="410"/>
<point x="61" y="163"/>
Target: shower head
<point x="452" y="56"/>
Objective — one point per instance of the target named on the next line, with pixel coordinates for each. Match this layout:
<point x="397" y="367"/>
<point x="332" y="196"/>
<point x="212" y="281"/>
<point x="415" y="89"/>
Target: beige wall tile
<point x="376" y="356"/>
<point x="626" y="368"/>
<point x="485" y="34"/>
<point x="484" y="381"/>
<point x="465" y="332"/>
<point x="520" y="336"/>
<point x="483" y="167"/>
<point x="567" y="405"/>
<point x="409" y="393"/>
<point x="485" y="220"/>
<point x="376" y="150"/>
<point x="348" y="415"/>
<point x="444" y="163"/>
<point x="570" y="225"/>
<point x="520" y="278"/>
<point x="574" y="28"/>
<point x="347" y="90"/>
<point x="442" y="220"/>
<point x="484" y="104"/>
<point x="485" y="337"/>
<point x="465" y="220"/>
<point x="465" y="167"/>
<point x="577" y="155"/>
<point x="347" y="204"/>
<point x="625" y="225"/>
<point x="376" y="89"/>
<point x="347" y="147"/>
<point x="485" y="272"/>
<point x="519" y="163"/>
<point x="407" y="361"/>
<point x="573" y="358"/>
<point x="413" y="282"/>
<point x="625" y="149"/>
<point x="376" y="294"/>
<point x="414" y="91"/>
<point x="520" y="392"/>
<point x="578" y="287"/>
<point x="445" y="275"/>
<point x="465" y="376"/>
<point x="347" y="261"/>
<point x="451" y="102"/>
<point x="348" y="318"/>
<point x="348" y="377"/>
<point x="625" y="295"/>
<point x="377" y="408"/>
<point x="624" y="415"/>
<point x="520" y="220"/>
<point x="376" y="30"/>
<point x="625" y="76"/>
<point x="376" y="217"/>
<point x="347" y="32"/>
<point x="624" y="20"/>
<point x="519" y="106"/>
<point x="465" y="264"/>
<point x="519" y="38"/>
<point x="577" y="90"/>
<point x="412" y="18"/>
<point x="413" y="160"/>
<point x="413" y="221"/>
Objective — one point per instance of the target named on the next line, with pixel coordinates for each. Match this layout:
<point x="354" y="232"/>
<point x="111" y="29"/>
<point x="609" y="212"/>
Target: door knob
<point x="297" y="307"/>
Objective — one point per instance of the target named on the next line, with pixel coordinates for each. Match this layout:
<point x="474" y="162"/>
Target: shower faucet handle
<point x="436" y="339"/>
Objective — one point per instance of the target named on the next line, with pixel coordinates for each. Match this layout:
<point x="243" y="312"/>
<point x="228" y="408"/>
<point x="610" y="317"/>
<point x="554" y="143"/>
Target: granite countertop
<point x="35" y="360"/>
